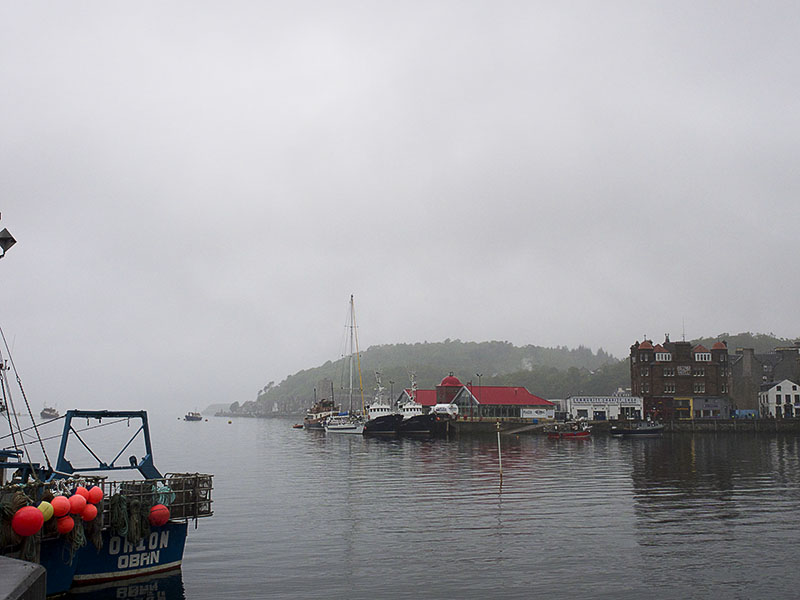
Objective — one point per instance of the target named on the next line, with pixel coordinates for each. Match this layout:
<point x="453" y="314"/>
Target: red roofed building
<point x="494" y="401"/>
<point x="483" y="402"/>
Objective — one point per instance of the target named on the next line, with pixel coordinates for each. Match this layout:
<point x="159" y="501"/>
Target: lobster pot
<point x="192" y="495"/>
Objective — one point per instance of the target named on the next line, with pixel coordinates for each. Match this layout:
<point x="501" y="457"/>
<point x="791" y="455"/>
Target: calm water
<point x="302" y="515"/>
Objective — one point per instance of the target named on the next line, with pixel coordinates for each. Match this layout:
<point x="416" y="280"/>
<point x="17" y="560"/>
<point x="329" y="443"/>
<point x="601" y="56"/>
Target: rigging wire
<point x="24" y="397"/>
<point x="59" y="435"/>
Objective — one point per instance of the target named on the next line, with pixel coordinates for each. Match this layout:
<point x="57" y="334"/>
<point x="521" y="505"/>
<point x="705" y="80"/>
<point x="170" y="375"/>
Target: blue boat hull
<point x="159" y="552"/>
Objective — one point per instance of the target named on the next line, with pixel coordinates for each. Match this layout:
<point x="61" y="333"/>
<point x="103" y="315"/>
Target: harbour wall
<point x="526" y="426"/>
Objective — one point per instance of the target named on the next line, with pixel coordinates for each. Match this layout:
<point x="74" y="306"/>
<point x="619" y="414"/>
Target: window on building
<point x="669" y="387"/>
<point x="797" y="398"/>
<point x="723" y="357"/>
<point x="724" y="388"/>
<point x="699" y="371"/>
<point x="645" y="371"/>
<point x="663" y="356"/>
<point x="699" y="387"/>
<point x="669" y="371"/>
<point x="702" y="356"/>
<point x="779" y="388"/>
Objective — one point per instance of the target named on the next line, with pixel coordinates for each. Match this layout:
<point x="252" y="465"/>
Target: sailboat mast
<point x="352" y="346"/>
<point x="358" y="358"/>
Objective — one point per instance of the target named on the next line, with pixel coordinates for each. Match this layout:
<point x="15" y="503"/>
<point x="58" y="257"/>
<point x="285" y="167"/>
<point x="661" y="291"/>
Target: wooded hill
<point x="547" y="372"/>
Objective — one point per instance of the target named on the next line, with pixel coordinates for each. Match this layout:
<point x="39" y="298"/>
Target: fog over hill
<point x="548" y="372"/>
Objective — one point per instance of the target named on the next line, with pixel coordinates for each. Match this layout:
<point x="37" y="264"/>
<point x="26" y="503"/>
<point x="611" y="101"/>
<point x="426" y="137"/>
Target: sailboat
<point x="381" y="418"/>
<point x="350" y="422"/>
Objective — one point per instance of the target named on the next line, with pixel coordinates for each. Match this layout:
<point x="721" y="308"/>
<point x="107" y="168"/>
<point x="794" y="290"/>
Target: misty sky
<point x="197" y="187"/>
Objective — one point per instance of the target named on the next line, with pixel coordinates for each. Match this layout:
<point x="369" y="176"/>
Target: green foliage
<point x="547" y="372"/>
<point x="544" y="371"/>
<point x="761" y="342"/>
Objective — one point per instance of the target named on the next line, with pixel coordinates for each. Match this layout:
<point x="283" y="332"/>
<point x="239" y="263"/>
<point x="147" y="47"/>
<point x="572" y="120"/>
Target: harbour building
<point x="779" y="399"/>
<point x="485" y="402"/>
<point x="678" y="380"/>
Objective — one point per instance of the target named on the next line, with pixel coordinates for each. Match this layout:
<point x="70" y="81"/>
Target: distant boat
<point x="49" y="413"/>
<point x="344" y="423"/>
<point x="382" y="420"/>
<point x="350" y="422"/>
<point x="193" y="416"/>
<point x="638" y="428"/>
<point x="573" y="430"/>
<point x="317" y="415"/>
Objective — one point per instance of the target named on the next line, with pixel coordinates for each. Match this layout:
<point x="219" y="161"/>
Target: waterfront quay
<point x="510" y="425"/>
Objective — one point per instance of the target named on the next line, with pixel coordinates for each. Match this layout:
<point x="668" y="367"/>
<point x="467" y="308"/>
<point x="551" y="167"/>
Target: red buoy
<point x="76" y="504"/>
<point x="82" y="491"/>
<point x="89" y="513"/>
<point x="28" y="520"/>
<point x="60" y="506"/>
<point x="95" y="494"/>
<point x="159" y="515"/>
<point x="65" y="524"/>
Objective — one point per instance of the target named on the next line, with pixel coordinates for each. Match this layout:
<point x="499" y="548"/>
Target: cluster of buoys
<point x="28" y="520"/>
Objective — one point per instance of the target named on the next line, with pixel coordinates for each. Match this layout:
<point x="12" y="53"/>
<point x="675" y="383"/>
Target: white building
<point x="604" y="408"/>
<point x="779" y="399"/>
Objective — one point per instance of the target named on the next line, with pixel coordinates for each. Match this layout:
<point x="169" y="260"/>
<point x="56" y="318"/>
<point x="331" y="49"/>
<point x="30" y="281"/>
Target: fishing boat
<point x="140" y="530"/>
<point x="49" y="413"/>
<point x="638" y="428"/>
<point x="193" y="416"/>
<point x="382" y="418"/>
<point x="416" y="421"/>
<point x="569" y="430"/>
<point x="317" y="415"/>
<point x="350" y="421"/>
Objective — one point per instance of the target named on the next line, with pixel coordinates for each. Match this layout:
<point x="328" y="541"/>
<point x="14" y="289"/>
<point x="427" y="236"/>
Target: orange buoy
<point x="46" y="509"/>
<point x="159" y="515"/>
<point x="76" y="504"/>
<point x="89" y="513"/>
<point x="65" y="524"/>
<point x="60" y="506"/>
<point x="82" y="491"/>
<point x="95" y="494"/>
<point x="28" y="520"/>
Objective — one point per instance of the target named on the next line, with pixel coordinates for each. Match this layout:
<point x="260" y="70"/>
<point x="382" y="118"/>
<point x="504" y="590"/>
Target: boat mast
<point x="352" y="346"/>
<point x="358" y="357"/>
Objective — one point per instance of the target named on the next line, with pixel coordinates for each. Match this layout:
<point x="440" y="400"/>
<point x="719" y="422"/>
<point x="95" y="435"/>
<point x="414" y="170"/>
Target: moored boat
<point x="638" y="428"/>
<point x="569" y="430"/>
<point x="193" y="416"/>
<point x="381" y="418"/>
<point x="344" y="423"/>
<point x="317" y="415"/>
<point x="140" y="530"/>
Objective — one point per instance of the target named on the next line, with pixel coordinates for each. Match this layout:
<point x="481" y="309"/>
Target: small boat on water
<point x="638" y="428"/>
<point x="297" y="426"/>
<point x="193" y="416"/>
<point x="344" y="423"/>
<point x="350" y="421"/>
<point x="317" y="415"/>
<point x="569" y="430"/>
<point x="49" y="413"/>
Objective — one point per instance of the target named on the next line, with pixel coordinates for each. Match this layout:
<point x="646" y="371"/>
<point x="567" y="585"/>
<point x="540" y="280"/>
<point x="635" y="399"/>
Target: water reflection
<point x="167" y="586"/>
